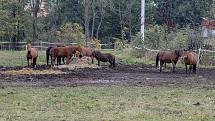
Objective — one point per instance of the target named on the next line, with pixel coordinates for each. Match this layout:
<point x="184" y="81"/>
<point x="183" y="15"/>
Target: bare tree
<point x="87" y="20"/>
<point x="35" y="7"/>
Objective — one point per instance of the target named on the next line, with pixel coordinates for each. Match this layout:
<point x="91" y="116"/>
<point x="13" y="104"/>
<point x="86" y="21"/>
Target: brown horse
<point x="48" y="54"/>
<point x="104" y="57"/>
<point x="168" y="57"/>
<point x="190" y="58"/>
<point x="67" y="52"/>
<point x="32" y="54"/>
<point x="85" y="51"/>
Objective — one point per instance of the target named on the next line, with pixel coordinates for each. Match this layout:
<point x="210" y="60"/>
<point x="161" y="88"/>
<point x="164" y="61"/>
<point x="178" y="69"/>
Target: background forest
<point x="169" y="23"/>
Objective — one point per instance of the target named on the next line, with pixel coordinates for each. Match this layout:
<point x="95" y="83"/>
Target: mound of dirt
<point x="29" y="71"/>
<point x="76" y="63"/>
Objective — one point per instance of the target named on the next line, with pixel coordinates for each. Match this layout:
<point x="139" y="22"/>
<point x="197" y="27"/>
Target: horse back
<point x="87" y="51"/>
<point x="109" y="55"/>
<point x="167" y="56"/>
<point x="192" y="58"/>
<point x="58" y="51"/>
<point x="34" y="52"/>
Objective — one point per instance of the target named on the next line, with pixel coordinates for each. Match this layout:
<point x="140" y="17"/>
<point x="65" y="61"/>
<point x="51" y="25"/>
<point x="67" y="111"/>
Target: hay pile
<point x="29" y="71"/>
<point x="76" y="63"/>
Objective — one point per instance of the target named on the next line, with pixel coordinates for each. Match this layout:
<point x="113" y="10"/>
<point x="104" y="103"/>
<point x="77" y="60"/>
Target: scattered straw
<point x="29" y="71"/>
<point x="76" y="63"/>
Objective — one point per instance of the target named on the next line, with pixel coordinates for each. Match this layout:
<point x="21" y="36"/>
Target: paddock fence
<point x="206" y="57"/>
<point x="43" y="45"/>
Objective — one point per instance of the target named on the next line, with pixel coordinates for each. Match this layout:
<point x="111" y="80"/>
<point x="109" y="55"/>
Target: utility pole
<point x="142" y="19"/>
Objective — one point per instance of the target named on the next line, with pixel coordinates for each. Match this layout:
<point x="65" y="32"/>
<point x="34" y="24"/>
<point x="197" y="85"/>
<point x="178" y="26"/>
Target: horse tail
<point x="48" y="54"/>
<point x="157" y="60"/>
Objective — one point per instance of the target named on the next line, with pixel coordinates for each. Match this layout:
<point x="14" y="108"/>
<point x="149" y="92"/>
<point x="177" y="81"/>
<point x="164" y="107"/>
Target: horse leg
<point x="165" y="66"/>
<point x="63" y="60"/>
<point x="53" y="61"/>
<point x="92" y="59"/>
<point x="98" y="62"/>
<point x="161" y="65"/>
<point x="194" y="68"/>
<point x="186" y="68"/>
<point x="111" y="63"/>
<point x="114" y="62"/>
<point x="47" y="59"/>
<point x="34" y="62"/>
<point x="173" y="67"/>
<point x="58" y="60"/>
<point x="190" y="68"/>
<point x="67" y="60"/>
<point x="28" y="61"/>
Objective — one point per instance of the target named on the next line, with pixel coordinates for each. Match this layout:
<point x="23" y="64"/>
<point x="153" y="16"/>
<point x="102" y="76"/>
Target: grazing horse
<point x="168" y="57"/>
<point x="67" y="52"/>
<point x="104" y="57"/>
<point x="85" y="51"/>
<point x="32" y="54"/>
<point x="48" y="54"/>
<point x="190" y="58"/>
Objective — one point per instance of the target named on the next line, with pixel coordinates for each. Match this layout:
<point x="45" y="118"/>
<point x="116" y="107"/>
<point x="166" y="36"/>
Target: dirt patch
<point x="127" y="75"/>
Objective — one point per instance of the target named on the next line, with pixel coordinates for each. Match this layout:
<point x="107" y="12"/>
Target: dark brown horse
<point x="104" y="57"/>
<point x="32" y="54"/>
<point x="48" y="55"/>
<point x="168" y="57"/>
<point x="191" y="59"/>
<point x="67" y="52"/>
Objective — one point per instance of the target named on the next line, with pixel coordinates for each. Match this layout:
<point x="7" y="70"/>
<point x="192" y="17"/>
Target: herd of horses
<point x="61" y="52"/>
<point x="186" y="57"/>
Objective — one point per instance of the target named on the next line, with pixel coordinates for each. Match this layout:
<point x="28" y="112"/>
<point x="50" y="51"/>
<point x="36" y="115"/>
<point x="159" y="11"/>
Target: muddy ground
<point x="137" y="75"/>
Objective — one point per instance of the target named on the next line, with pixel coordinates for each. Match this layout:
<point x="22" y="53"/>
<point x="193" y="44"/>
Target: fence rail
<point x="43" y="45"/>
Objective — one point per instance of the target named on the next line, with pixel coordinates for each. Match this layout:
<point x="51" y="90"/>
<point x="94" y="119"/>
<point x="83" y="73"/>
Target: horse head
<point x="28" y="48"/>
<point x="179" y="53"/>
<point x="79" y="51"/>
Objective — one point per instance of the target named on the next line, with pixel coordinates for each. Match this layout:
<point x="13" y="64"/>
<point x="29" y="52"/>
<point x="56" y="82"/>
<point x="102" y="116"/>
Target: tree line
<point x="168" y="22"/>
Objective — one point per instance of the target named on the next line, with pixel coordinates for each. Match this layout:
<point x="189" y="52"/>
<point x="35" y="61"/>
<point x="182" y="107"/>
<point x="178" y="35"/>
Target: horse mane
<point x="177" y="52"/>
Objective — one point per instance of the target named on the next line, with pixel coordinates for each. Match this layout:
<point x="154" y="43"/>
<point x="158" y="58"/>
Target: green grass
<point x="95" y="103"/>
<point x="18" y="58"/>
<point x="107" y="103"/>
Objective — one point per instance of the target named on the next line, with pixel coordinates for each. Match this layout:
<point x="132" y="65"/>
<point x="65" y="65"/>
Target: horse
<point x="67" y="52"/>
<point x="32" y="54"/>
<point x="85" y="51"/>
<point x="168" y="57"/>
<point x="191" y="59"/>
<point x="104" y="57"/>
<point x="48" y="54"/>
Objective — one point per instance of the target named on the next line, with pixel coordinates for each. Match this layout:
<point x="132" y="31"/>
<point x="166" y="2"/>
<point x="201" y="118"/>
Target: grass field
<point x="18" y="58"/>
<point x="107" y="103"/>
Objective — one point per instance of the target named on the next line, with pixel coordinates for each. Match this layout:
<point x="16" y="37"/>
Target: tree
<point x="35" y="7"/>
